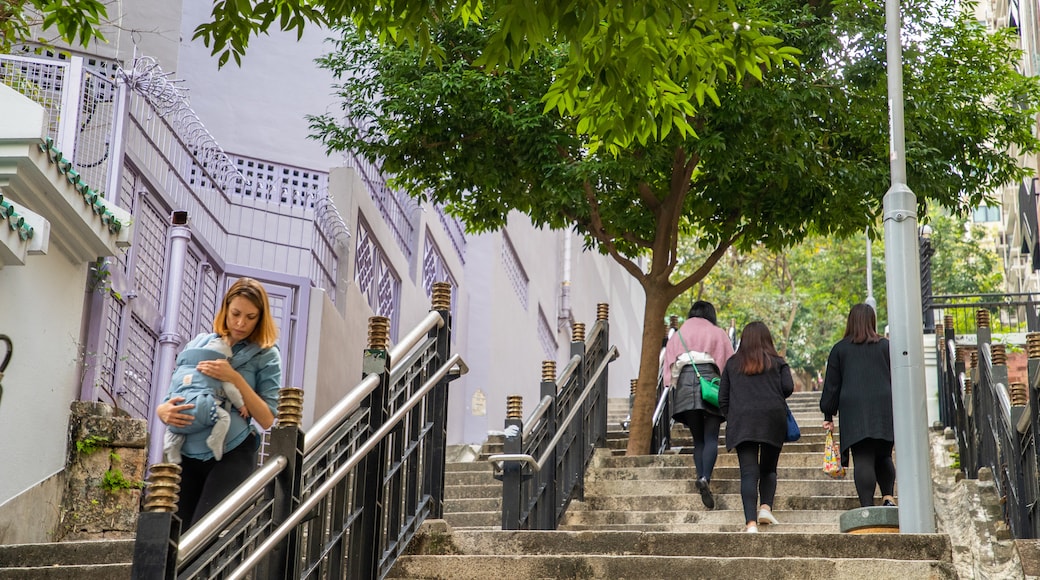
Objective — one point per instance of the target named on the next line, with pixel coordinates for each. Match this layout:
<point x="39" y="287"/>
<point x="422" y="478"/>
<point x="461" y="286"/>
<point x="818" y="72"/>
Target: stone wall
<point x="107" y="456"/>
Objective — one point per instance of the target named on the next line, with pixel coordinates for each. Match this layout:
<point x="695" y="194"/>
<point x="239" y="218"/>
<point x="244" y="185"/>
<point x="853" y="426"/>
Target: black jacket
<point x="858" y="388"/>
<point x="755" y="405"/>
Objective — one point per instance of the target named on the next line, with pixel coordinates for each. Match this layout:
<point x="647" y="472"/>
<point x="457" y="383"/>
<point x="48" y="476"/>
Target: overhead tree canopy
<point x="76" y="21"/>
<point x="633" y="71"/>
<point x="802" y="151"/>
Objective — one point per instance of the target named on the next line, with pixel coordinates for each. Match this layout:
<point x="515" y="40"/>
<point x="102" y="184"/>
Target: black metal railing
<point x="1009" y="313"/>
<point x="545" y="456"/>
<point x="661" y="430"/>
<point x="340" y="501"/>
<point x="995" y="421"/>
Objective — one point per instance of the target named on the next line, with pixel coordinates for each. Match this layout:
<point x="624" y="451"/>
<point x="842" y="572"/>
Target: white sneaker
<point x="752" y="529"/>
<point x="766" y="517"/>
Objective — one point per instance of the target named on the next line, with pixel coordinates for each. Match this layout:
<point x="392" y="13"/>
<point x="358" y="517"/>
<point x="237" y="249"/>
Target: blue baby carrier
<point x="198" y="389"/>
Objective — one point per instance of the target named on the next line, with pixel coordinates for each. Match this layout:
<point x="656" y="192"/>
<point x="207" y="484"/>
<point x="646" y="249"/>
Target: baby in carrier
<point x="207" y="394"/>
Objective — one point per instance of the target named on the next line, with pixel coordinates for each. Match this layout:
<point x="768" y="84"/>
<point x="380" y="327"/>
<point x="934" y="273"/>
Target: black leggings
<point x="204" y="484"/>
<point x="704" y="427"/>
<point x="872" y="466"/>
<point x="757" y="476"/>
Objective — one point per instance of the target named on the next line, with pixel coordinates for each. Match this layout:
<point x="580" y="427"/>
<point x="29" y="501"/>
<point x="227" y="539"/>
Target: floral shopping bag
<point x="832" y="457"/>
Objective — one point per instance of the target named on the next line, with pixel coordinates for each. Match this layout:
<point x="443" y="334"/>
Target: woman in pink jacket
<point x="699" y="334"/>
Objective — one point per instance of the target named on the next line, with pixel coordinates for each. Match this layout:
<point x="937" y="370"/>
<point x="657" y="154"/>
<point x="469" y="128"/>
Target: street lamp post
<point x="909" y="402"/>
<point x="925" y="242"/>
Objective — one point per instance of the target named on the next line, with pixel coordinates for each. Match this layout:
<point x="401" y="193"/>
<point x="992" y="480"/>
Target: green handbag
<point x="709" y="387"/>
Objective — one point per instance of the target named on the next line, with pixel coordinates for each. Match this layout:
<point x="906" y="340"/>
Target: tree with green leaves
<point x="769" y="161"/>
<point x="76" y="21"/>
<point x="804" y="293"/>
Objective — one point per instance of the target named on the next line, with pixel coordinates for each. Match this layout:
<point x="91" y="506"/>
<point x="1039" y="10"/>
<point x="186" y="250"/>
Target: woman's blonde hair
<point x="265" y="333"/>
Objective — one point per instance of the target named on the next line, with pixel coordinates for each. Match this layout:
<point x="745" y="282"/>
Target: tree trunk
<point x="649" y="364"/>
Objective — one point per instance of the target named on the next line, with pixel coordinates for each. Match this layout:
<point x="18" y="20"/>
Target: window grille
<point x="514" y="270"/>
<point x="455" y="230"/>
<point x="546" y="336"/>
<point x="379" y="284"/>
<point x="150" y="251"/>
<point x="435" y="270"/>
<point x="278" y="183"/>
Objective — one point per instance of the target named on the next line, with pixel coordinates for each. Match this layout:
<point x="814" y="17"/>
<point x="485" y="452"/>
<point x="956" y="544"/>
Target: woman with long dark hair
<point x="752" y="395"/>
<point x="858" y="388"/>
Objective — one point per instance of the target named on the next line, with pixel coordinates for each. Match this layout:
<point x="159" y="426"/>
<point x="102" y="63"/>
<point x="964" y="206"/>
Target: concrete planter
<point x="107" y="457"/>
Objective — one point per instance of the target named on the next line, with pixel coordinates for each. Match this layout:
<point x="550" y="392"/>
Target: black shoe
<point x="706" y="497"/>
<point x="888" y="503"/>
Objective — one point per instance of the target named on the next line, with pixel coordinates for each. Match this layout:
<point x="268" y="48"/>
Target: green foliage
<point x="633" y="71"/>
<point x="90" y="444"/>
<point x="101" y="278"/>
<point x="114" y="479"/>
<point x="772" y="159"/>
<point x="960" y="264"/>
<point x="76" y="21"/>
<point x="804" y="293"/>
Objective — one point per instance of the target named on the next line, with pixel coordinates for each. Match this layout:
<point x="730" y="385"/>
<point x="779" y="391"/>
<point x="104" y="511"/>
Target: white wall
<point x="41" y="309"/>
<point x="502" y="344"/>
<point x="258" y="109"/>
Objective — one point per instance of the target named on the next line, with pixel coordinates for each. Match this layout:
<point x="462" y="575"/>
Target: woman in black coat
<point x="752" y="395"/>
<point x="858" y="388"/>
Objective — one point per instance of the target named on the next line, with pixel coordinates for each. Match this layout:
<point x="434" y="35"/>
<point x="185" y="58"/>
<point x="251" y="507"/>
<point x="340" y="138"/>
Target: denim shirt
<point x="263" y="373"/>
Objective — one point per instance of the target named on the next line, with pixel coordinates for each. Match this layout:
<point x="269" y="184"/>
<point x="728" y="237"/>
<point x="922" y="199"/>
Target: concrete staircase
<point x="642" y="517"/>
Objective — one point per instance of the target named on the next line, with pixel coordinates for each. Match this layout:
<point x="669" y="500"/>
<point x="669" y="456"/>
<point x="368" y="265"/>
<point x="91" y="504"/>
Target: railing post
<point x="286" y="440"/>
<point x="365" y="532"/>
<point x="574" y="449"/>
<point x="158" y="527"/>
<point x="438" y="407"/>
<point x="982" y="399"/>
<point x="601" y="397"/>
<point x="1033" y="390"/>
<point x="512" y="471"/>
<point x="944" y="333"/>
<point x="543" y="513"/>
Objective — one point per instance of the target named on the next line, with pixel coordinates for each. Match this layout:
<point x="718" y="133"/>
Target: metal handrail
<point x="659" y="410"/>
<point x="193" y="540"/>
<point x="538" y="464"/>
<point x="536" y="415"/>
<point x="324" y="427"/>
<point x="305" y="508"/>
<point x="572" y="366"/>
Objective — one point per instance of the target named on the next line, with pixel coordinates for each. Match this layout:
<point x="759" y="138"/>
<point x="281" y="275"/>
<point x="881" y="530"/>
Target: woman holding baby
<point x="245" y="321"/>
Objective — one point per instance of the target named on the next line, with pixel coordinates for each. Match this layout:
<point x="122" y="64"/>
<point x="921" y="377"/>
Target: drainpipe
<point x="565" y="287"/>
<point x="169" y="339"/>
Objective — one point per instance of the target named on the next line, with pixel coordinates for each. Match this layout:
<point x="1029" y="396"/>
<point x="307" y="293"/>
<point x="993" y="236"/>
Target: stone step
<point x="688" y="472"/>
<point x="723" y="501"/>
<point x="518" y="542"/>
<point x="699" y="515"/>
<point x="630" y="554"/>
<point x="819" y="487"/>
<point x="726" y="459"/>
<point x="69" y="572"/>
<point x="472" y="491"/>
<point x="89" y="560"/>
